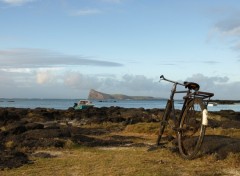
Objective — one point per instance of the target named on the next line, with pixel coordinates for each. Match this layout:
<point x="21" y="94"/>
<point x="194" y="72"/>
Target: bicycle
<point x="191" y="125"/>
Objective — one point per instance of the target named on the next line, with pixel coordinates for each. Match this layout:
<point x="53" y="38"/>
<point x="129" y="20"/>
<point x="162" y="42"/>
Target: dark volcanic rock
<point x="30" y="129"/>
<point x="221" y="146"/>
<point x="33" y="126"/>
<point x="12" y="159"/>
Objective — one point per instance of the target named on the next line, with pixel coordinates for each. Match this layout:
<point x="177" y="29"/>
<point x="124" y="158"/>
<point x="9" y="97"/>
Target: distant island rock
<point x="95" y="95"/>
<point x="227" y="102"/>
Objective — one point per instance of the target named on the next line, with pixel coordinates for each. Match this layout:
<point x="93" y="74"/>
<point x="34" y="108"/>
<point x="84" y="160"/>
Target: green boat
<point x="83" y="104"/>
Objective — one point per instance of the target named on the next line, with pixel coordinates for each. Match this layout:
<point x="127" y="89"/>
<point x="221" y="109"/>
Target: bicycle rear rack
<point x="199" y="94"/>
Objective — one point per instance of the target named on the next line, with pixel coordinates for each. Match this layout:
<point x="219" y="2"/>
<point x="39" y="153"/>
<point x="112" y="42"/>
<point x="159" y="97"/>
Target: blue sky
<point x="64" y="48"/>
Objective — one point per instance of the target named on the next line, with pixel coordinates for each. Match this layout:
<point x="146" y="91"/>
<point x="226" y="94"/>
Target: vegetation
<point x="129" y="156"/>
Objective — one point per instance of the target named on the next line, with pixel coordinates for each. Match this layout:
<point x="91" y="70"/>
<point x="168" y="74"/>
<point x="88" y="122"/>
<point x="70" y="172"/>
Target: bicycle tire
<point x="164" y="121"/>
<point x="191" y="129"/>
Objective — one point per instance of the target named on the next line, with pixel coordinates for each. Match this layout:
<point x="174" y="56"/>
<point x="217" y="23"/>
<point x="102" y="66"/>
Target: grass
<point x="235" y="133"/>
<point x="144" y="128"/>
<point x="125" y="160"/>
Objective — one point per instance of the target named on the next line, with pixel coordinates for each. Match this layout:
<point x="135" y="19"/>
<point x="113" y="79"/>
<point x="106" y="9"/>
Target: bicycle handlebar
<point x="196" y="93"/>
<point x="175" y="82"/>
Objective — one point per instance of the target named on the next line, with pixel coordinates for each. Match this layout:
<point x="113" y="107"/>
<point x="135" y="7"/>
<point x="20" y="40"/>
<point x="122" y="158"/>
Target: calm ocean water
<point x="66" y="103"/>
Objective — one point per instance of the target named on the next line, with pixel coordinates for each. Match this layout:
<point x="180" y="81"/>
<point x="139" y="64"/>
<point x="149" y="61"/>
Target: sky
<point x="64" y="48"/>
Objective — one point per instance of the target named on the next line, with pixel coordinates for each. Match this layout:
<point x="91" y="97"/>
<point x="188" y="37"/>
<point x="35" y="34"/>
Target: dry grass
<point x="126" y="160"/>
<point x="144" y="128"/>
<point x="235" y="133"/>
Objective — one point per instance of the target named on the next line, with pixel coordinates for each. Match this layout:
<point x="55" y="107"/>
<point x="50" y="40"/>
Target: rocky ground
<point x="23" y="131"/>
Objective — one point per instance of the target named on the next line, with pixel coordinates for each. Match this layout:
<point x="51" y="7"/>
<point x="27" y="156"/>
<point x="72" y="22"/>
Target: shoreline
<point x="64" y="104"/>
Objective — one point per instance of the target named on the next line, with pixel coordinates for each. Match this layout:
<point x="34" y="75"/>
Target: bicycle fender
<point x="205" y="117"/>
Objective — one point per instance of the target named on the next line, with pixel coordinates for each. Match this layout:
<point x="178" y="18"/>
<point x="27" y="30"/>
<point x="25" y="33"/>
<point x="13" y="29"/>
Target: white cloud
<point x="209" y="83"/>
<point x="16" y="2"/>
<point x="229" y="27"/>
<point x="220" y="86"/>
<point x="76" y="80"/>
<point x="17" y="70"/>
<point x="228" y="30"/>
<point x="44" y="77"/>
<point x="84" y="12"/>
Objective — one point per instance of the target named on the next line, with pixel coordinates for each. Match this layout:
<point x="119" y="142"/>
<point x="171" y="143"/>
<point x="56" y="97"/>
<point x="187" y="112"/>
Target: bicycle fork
<point x="164" y="121"/>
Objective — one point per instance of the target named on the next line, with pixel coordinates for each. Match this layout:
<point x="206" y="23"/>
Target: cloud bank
<point x="37" y="58"/>
<point x="50" y="83"/>
<point x="37" y="73"/>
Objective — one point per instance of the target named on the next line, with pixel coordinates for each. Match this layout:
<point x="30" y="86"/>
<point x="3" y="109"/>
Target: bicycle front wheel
<point x="191" y="129"/>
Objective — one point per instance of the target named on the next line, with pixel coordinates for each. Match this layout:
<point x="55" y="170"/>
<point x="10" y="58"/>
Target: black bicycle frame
<point x="171" y="99"/>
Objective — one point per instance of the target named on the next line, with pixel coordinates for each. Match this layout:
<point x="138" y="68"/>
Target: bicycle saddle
<point x="191" y="86"/>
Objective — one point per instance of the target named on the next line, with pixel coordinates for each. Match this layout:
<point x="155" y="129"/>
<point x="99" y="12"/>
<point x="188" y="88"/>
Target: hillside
<point x="95" y="95"/>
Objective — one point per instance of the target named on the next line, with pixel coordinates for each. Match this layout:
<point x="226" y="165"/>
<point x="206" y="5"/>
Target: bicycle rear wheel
<point x="191" y="129"/>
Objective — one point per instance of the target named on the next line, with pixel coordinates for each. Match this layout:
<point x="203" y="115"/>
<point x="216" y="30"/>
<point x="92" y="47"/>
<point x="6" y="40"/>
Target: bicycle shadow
<point x="220" y="145"/>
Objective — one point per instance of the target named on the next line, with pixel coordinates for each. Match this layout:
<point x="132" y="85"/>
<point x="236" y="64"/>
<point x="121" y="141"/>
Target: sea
<point x="64" y="104"/>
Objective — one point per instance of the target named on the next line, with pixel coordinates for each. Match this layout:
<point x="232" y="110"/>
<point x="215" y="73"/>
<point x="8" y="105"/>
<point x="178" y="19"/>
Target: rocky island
<point x="96" y="95"/>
